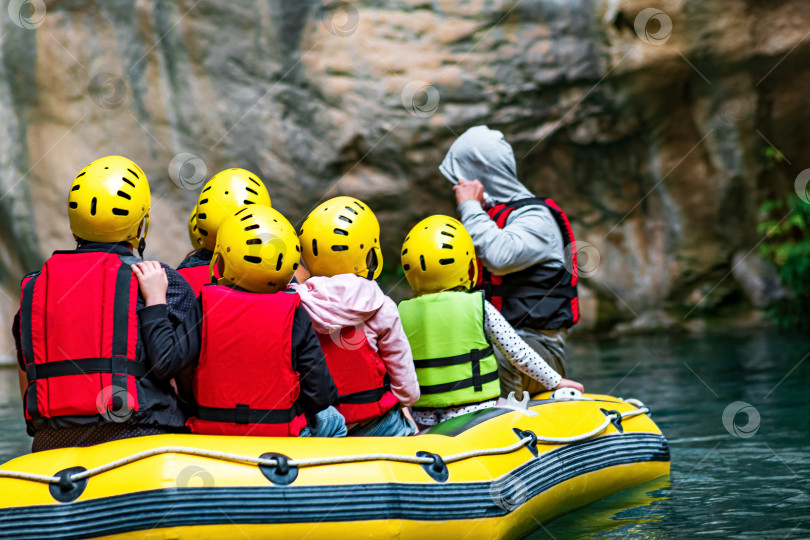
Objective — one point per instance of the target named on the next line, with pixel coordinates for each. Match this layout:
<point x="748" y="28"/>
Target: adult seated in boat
<point x="259" y="367"/>
<point x="452" y="330"/>
<point x="220" y="198"/>
<point x="84" y="377"/>
<point x="521" y="241"/>
<point x="357" y="324"/>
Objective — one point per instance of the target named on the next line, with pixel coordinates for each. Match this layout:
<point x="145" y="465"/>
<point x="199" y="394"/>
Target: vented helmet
<point x="193" y="233"/>
<point x="342" y="236"/>
<point x="109" y="201"/>
<point x="438" y="255"/>
<point x="258" y="250"/>
<point x="224" y="194"/>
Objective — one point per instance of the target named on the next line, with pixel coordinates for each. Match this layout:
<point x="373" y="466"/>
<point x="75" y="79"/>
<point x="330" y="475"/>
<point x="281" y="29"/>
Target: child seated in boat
<point x="83" y="377"/>
<point x="452" y="330"/>
<point x="225" y="193"/>
<point x="259" y="367"/>
<point x="357" y="324"/>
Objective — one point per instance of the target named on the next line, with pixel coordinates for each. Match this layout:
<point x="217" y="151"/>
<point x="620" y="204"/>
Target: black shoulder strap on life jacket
<point x="27" y="344"/>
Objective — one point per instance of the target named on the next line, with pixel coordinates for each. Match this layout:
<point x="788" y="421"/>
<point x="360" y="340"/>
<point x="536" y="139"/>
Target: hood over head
<point x="339" y="301"/>
<point x="483" y="154"/>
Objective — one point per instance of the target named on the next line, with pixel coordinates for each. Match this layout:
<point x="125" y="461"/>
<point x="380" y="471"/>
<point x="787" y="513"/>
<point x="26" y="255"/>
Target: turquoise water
<point x="755" y="484"/>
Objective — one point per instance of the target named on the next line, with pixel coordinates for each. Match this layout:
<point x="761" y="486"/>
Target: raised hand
<point x="152" y="281"/>
<point x="469" y="190"/>
<point x="566" y="383"/>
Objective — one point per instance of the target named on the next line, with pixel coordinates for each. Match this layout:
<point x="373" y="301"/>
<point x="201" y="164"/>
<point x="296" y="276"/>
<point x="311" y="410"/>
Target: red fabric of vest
<point x="359" y="374"/>
<point x="197" y="276"/>
<point x="79" y="335"/>
<point x="245" y="383"/>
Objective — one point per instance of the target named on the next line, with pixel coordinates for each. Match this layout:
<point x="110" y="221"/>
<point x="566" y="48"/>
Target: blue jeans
<point x="328" y="423"/>
<point x="391" y="424"/>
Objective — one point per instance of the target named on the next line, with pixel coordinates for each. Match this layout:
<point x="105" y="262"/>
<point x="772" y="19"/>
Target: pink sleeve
<point x="395" y="352"/>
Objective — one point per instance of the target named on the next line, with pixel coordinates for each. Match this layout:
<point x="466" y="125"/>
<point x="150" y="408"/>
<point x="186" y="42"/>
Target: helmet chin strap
<point x="141" y="247"/>
<point x="372" y="264"/>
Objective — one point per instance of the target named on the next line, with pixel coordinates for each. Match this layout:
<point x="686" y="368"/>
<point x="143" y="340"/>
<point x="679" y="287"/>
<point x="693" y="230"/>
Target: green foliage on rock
<point x="786" y="226"/>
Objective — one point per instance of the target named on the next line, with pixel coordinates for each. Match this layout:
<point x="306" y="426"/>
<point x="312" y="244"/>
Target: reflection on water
<point x="13" y="439"/>
<point x="753" y="485"/>
<point x="722" y="485"/>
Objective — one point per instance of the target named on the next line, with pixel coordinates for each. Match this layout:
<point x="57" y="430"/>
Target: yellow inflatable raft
<point x="497" y="473"/>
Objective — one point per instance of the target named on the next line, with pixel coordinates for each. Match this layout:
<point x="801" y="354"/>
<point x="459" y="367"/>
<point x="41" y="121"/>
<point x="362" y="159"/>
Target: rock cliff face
<point x="649" y="124"/>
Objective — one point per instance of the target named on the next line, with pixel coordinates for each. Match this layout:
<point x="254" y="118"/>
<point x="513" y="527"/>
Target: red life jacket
<point x="536" y="297"/>
<point x="359" y="374"/>
<point x="197" y="276"/>
<point x="79" y="337"/>
<point x="245" y="383"/>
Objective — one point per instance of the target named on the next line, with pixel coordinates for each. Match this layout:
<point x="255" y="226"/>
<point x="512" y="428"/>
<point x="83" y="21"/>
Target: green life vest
<point x="454" y="361"/>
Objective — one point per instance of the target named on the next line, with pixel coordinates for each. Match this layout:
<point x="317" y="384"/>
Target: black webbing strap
<point x="120" y="329"/>
<point x="561" y="291"/>
<point x="458" y="385"/>
<point x="244" y="414"/>
<point x="500" y="212"/>
<point x="453" y="360"/>
<point x="475" y="360"/>
<point x="366" y="396"/>
<point x="84" y="366"/>
<point x="27" y="343"/>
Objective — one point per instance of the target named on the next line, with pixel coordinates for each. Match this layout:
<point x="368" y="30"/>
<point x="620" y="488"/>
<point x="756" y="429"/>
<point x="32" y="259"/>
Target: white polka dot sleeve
<point x="501" y="334"/>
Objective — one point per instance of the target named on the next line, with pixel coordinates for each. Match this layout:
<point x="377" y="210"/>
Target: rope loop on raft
<point x="314" y="462"/>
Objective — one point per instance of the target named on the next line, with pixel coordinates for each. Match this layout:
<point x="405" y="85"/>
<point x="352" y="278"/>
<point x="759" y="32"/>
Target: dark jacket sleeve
<point x="180" y="298"/>
<point x="168" y="350"/>
<point x="15" y="329"/>
<point x="318" y="390"/>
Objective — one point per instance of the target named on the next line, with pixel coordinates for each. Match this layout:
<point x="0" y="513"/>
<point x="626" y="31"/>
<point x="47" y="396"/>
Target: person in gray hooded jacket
<point x="482" y="166"/>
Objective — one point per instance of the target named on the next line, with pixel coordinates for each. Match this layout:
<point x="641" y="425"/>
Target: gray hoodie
<point x="531" y="235"/>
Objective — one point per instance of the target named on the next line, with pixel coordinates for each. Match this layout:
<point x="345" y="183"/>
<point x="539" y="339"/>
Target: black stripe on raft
<point x="429" y="501"/>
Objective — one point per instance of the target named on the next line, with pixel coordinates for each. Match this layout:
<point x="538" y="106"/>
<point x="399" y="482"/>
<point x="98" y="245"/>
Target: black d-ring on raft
<point x="531" y="446"/>
<point x="282" y="474"/>
<point x="68" y="490"/>
<point x="617" y="421"/>
<point x="436" y="470"/>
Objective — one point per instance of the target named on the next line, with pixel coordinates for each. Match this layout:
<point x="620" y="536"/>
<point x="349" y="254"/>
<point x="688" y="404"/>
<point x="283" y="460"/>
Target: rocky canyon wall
<point x="659" y="126"/>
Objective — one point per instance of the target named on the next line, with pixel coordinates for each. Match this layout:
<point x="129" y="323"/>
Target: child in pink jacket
<point x="358" y="326"/>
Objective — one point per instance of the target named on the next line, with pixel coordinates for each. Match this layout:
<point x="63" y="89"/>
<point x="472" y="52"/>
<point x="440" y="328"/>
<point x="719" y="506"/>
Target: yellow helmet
<point x="108" y="201"/>
<point x="438" y="255"/>
<point x="342" y="236"/>
<point x="193" y="233"/>
<point x="258" y="249"/>
<point x="224" y="194"/>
